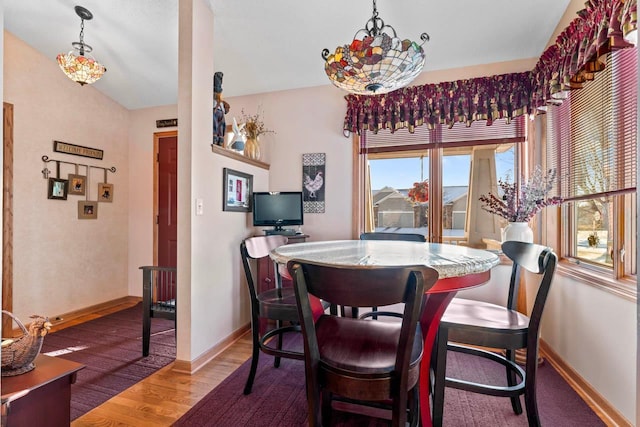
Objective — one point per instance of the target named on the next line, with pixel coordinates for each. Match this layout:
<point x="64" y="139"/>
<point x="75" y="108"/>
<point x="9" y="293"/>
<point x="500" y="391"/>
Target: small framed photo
<point x="57" y="189"/>
<point x="77" y="184"/>
<point x="105" y="192"/>
<point x="87" y="209"/>
<point x="237" y="191"/>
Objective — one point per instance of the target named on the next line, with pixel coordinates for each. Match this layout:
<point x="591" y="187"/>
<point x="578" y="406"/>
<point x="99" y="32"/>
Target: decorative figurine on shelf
<point x="220" y="108"/>
<point x="238" y="137"/>
<point x="18" y="354"/>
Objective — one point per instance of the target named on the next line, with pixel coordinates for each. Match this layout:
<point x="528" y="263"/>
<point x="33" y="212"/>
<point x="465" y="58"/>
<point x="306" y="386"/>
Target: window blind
<point x="592" y="136"/>
<point x="500" y="132"/>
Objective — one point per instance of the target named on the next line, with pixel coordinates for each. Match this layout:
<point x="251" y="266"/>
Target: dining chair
<point x="381" y="235"/>
<point x="351" y="359"/>
<point x="277" y="304"/>
<point x="470" y="323"/>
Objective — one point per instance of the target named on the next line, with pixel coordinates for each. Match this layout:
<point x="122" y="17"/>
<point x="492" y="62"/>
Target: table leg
<point x="434" y="306"/>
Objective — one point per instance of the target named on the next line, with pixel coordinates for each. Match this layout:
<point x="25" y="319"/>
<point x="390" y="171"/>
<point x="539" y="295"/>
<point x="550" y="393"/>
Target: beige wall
<point x="61" y="263"/>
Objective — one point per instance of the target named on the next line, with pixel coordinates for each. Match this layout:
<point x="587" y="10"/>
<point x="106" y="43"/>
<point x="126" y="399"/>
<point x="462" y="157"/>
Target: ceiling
<point x="263" y="46"/>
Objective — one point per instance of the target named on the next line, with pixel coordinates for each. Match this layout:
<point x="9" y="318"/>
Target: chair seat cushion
<point x="362" y="347"/>
<point x="280" y="304"/>
<point x="483" y="315"/>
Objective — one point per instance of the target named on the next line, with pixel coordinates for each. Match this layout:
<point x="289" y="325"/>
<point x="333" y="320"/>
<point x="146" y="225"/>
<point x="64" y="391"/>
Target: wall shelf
<point x="236" y="156"/>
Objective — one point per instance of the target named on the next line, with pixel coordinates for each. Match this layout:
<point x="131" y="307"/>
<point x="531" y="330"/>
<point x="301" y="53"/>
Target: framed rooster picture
<point x="313" y="182"/>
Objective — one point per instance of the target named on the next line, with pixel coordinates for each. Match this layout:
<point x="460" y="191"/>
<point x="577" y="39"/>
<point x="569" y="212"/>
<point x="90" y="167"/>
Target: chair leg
<point x="530" y="400"/>
<point x="276" y="360"/>
<point x="414" y="406"/>
<point x="440" y="369"/>
<point x="399" y="410"/>
<point x="327" y="410"/>
<point x="255" y="354"/>
<point x="146" y="333"/>
<point x="512" y="380"/>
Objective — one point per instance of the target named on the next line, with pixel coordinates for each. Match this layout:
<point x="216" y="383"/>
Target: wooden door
<point x="166" y="184"/>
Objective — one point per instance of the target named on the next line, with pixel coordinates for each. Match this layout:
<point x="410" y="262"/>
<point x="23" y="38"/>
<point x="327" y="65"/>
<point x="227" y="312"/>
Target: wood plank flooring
<point x="163" y="397"/>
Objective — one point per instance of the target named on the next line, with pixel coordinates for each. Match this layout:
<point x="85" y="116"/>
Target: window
<point x="591" y="141"/>
<point x="444" y="158"/>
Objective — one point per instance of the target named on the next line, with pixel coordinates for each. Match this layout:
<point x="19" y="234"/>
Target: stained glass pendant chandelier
<point x="378" y="63"/>
<point x="80" y="67"/>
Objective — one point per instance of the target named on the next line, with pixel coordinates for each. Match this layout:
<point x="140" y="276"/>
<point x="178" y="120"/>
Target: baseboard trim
<point x="190" y="367"/>
<point x="609" y="414"/>
<point x="64" y="320"/>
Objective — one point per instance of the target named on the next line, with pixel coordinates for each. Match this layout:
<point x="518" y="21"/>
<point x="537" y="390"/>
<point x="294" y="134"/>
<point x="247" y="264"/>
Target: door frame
<point x="7" y="215"/>
<point x="157" y="136"/>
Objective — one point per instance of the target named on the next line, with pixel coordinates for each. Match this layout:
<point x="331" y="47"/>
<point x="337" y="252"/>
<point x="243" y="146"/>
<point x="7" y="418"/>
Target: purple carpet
<point x="111" y="349"/>
<point x="278" y="399"/>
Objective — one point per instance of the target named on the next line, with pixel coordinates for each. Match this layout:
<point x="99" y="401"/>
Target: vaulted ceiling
<point x="263" y="46"/>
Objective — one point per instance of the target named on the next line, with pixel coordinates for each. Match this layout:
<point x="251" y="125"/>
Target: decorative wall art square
<point x="313" y="182"/>
<point x="237" y="190"/>
<point x="87" y="209"/>
<point x="105" y="192"/>
<point x="57" y="189"/>
<point x="77" y="184"/>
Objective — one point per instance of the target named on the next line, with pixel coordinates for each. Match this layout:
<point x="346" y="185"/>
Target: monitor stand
<point x="281" y="231"/>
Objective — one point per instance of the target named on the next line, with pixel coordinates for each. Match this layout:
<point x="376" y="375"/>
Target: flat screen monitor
<point x="277" y="209"/>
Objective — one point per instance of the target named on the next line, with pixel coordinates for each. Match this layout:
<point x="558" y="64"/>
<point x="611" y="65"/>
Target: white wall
<point x="306" y="121"/>
<point x="61" y="263"/>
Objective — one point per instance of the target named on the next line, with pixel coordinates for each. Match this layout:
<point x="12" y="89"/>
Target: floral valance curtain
<point x="573" y="59"/>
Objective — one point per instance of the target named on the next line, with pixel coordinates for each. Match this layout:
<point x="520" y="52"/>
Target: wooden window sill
<point x="236" y="156"/>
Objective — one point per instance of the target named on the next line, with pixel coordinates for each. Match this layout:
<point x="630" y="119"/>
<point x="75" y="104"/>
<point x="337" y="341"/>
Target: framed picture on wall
<point x="87" y="209"/>
<point x="105" y="192"/>
<point x="57" y="189"/>
<point x="77" y="184"/>
<point x="237" y="191"/>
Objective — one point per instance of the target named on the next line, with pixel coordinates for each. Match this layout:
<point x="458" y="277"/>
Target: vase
<point x="519" y="231"/>
<point x="252" y="148"/>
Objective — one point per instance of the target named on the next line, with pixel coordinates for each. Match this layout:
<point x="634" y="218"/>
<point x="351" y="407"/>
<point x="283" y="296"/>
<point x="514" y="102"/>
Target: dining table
<point x="458" y="267"/>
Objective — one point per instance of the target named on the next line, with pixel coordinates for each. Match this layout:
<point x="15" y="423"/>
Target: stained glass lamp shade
<point x="378" y="63"/>
<point x="77" y="65"/>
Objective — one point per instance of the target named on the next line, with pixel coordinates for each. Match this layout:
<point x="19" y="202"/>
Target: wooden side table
<point x="40" y="397"/>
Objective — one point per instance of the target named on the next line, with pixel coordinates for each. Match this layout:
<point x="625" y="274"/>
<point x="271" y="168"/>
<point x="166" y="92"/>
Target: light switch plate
<point x="199" y="207"/>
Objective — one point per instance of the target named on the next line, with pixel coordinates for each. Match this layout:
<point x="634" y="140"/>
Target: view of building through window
<point x="392" y="178"/>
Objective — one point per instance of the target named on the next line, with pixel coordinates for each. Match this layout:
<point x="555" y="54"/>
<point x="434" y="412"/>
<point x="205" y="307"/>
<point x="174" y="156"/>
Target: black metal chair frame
<point x="516" y="331"/>
<point x="154" y="278"/>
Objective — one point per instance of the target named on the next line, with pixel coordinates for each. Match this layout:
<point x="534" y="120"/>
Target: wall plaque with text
<point x="77" y="150"/>
<point x="166" y="123"/>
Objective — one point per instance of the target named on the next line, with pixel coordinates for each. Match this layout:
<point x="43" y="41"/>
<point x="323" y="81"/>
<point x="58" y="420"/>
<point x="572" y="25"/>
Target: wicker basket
<point x="18" y="356"/>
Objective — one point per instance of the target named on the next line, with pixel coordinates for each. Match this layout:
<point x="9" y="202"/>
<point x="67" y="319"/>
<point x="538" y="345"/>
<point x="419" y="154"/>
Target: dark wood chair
<point x="475" y="323"/>
<point x="159" y="295"/>
<point x="277" y="304"/>
<point x="361" y="360"/>
<point x="408" y="237"/>
<point x="379" y="235"/>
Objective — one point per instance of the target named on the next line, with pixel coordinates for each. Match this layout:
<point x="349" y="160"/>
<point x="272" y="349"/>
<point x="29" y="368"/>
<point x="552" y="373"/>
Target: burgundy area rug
<point x="110" y="347"/>
<point x="279" y="399"/>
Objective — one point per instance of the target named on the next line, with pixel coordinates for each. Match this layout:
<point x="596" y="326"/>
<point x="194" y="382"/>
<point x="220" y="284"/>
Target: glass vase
<point x="252" y="148"/>
<point x="519" y="231"/>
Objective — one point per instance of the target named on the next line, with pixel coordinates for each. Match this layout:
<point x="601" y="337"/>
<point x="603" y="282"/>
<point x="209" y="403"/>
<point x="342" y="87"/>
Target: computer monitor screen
<point x="277" y="209"/>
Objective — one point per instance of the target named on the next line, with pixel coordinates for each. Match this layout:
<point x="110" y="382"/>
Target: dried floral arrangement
<point x="521" y="206"/>
<point x="419" y="193"/>
<point x="253" y="125"/>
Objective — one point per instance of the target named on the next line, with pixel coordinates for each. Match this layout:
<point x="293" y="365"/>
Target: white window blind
<point x="500" y="132"/>
<point x="592" y="136"/>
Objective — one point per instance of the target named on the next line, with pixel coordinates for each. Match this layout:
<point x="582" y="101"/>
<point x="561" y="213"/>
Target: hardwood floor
<point x="163" y="397"/>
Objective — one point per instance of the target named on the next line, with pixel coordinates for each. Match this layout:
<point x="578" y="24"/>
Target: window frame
<point x="619" y="279"/>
